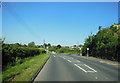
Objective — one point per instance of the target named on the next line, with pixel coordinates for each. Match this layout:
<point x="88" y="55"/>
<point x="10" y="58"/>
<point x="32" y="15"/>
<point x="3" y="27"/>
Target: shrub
<point x="11" y="53"/>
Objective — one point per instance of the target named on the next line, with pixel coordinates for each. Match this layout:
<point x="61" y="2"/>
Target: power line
<point x="20" y="20"/>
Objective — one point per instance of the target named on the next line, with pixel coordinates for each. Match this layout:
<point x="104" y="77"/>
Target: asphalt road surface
<point x="66" y="67"/>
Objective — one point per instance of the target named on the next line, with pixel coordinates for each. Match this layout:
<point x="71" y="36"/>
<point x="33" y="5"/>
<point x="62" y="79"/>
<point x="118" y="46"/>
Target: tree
<point x="25" y="45"/>
<point x="17" y="44"/>
<point x="49" y="45"/>
<point x="99" y="28"/>
<point x="59" y="46"/>
<point x="80" y="45"/>
<point x="74" y="45"/>
<point x="2" y="40"/>
<point x="104" y="44"/>
<point x="44" y="45"/>
<point x="31" y="44"/>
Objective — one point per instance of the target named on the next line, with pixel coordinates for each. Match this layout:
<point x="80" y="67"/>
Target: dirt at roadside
<point x="100" y="60"/>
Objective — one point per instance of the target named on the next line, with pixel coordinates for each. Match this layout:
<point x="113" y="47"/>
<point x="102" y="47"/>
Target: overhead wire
<point x="21" y="21"/>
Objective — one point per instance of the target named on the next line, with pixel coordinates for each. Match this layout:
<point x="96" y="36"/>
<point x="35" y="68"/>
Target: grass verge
<point x="26" y="70"/>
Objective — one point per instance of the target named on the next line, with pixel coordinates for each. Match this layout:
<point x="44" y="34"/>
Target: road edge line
<point x="35" y="75"/>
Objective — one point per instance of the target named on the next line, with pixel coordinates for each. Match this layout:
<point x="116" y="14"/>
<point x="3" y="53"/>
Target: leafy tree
<point x="104" y="44"/>
<point x="31" y="44"/>
<point x="45" y="45"/>
<point x="74" y="45"/>
<point x="49" y="45"/>
<point x="99" y="28"/>
<point x="53" y="48"/>
<point x="80" y="45"/>
<point x="17" y="44"/>
<point x="59" y="46"/>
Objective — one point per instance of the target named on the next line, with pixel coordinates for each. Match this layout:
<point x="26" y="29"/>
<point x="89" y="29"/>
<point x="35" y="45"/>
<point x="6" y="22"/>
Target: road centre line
<point x="53" y="55"/>
<point x="77" y="60"/>
<point x="80" y="68"/>
<point x="90" y="68"/>
<point x="63" y="57"/>
<point x="91" y="71"/>
<point x="69" y="61"/>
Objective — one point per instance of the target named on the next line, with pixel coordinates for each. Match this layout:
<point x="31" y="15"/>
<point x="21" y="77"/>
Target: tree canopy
<point x="31" y="44"/>
<point x="105" y="43"/>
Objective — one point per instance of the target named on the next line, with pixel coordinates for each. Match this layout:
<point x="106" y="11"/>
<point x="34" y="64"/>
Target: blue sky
<point x="65" y="23"/>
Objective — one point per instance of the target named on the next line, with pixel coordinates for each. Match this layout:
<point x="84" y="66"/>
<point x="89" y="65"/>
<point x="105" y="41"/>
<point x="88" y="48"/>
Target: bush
<point x="11" y="53"/>
<point x="67" y="50"/>
<point x="104" y="44"/>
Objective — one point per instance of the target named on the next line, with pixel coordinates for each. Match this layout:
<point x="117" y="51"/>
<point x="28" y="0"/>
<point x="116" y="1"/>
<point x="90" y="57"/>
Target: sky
<point x="64" y="23"/>
<point x="0" y="21"/>
<point x="60" y="0"/>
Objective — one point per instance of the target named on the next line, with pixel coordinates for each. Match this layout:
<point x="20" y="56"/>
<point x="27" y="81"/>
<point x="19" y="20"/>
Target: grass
<point x="26" y="70"/>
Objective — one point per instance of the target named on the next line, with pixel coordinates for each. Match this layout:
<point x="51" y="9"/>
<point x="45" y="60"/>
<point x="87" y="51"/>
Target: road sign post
<point x="47" y="50"/>
<point x="87" y="52"/>
<point x="80" y="51"/>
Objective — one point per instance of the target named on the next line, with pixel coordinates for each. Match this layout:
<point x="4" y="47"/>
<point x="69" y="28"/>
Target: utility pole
<point x="79" y="52"/>
<point x="44" y="43"/>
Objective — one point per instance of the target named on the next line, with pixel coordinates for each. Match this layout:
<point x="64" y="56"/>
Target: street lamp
<point x="87" y="52"/>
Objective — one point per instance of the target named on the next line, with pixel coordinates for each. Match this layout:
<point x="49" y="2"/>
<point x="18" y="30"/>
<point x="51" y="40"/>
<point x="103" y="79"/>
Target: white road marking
<point x="53" y="55"/>
<point x="80" y="68"/>
<point x="91" y="71"/>
<point x="106" y="78"/>
<point x="81" y="64"/>
<point x="96" y="77"/>
<point x="90" y="68"/>
<point x="77" y="60"/>
<point x="102" y="61"/>
<point x="69" y="61"/>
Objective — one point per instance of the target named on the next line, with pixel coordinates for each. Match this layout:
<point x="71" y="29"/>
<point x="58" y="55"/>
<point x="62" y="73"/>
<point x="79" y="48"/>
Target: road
<point x="66" y="67"/>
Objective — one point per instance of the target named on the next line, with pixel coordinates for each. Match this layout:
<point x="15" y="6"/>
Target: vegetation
<point x="67" y="50"/>
<point x="15" y="52"/>
<point x="31" y="44"/>
<point x="46" y="45"/>
<point x="26" y="70"/>
<point x="60" y="49"/>
<point x="104" y="44"/>
<point x="1" y="41"/>
<point x="59" y="46"/>
<point x="20" y="62"/>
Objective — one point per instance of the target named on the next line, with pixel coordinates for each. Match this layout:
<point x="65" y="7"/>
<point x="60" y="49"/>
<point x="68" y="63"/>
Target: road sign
<point x="87" y="48"/>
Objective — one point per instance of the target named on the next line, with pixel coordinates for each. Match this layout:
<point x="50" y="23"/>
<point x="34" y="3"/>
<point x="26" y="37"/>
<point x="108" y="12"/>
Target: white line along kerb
<point x="80" y="67"/>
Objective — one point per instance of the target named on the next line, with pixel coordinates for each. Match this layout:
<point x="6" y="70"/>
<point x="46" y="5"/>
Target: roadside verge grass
<point x="26" y="70"/>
